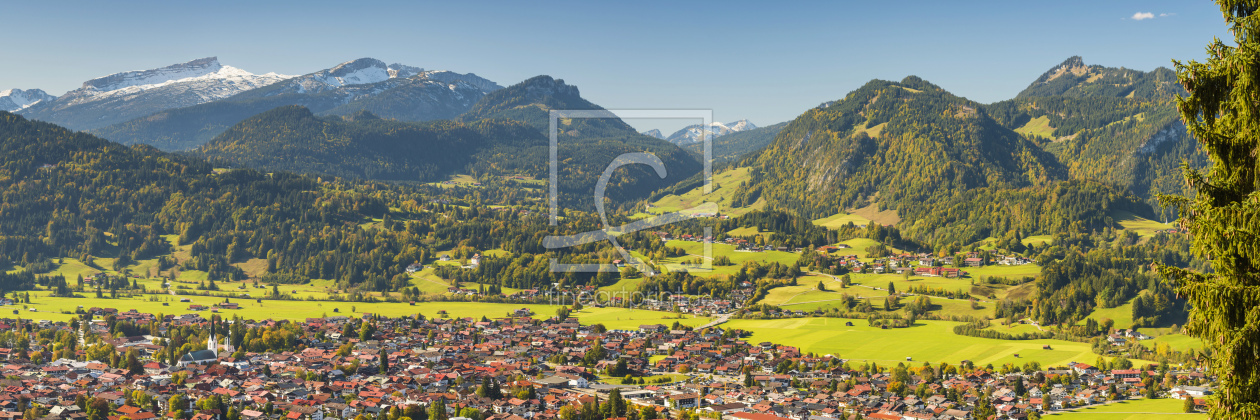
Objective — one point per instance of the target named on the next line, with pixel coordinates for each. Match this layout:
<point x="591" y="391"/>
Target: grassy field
<point x="872" y="213"/>
<point x="1011" y="271"/>
<point x="931" y="341"/>
<point x="624" y="285"/>
<point x="1180" y="341"/>
<point x="726" y="184"/>
<point x="1139" y="409"/>
<point x="1038" y="239"/>
<point x="1039" y="126"/>
<point x="617" y="318"/>
<point x="737" y="257"/>
<point x="1123" y="317"/>
<point x="857" y="247"/>
<point x="1143" y="226"/>
<point x="806" y="296"/>
<point x="745" y="231"/>
<point x="457" y="180"/>
<point x="837" y="220"/>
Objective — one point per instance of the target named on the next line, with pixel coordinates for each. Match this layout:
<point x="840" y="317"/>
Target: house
<point x="760" y="416"/>
<point x="682" y="401"/>
<point x="974" y="262"/>
<point x="64" y="410"/>
<point x="1196" y="391"/>
<point x="414" y="267"/>
<point x="1126" y="374"/>
<point x="1082" y="368"/>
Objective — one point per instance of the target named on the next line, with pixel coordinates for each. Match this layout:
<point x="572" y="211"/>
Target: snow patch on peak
<point x="654" y="133"/>
<point x="694" y="133"/>
<point x="191" y="69"/>
<point x="224" y="81"/>
<point x="17" y="99"/>
<point x="403" y="71"/>
<point x="741" y="125"/>
<point x="445" y="76"/>
<point x="358" y="72"/>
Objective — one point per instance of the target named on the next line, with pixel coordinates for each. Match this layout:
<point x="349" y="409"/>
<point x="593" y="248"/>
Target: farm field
<point x="930" y="341"/>
<point x="614" y="318"/>
<point x="1143" y="226"/>
<point x="1010" y="271"/>
<point x="1139" y="409"/>
<point x="456" y="180"/>
<point x="1038" y="239"/>
<point x="624" y="285"/>
<point x="726" y="183"/>
<point x="858" y="245"/>
<point x="837" y="220"/>
<point x="1039" y="126"/>
<point x="745" y="231"/>
<point x="737" y="257"/>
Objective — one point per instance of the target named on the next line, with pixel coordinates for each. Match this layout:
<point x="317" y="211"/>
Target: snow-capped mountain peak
<point x="402" y="70"/>
<point x="741" y="125"/>
<point x="122" y="96"/>
<point x="204" y="78"/>
<point x="191" y="69"/>
<point x="358" y="72"/>
<point x="17" y="99"/>
<point x="654" y="133"/>
<point x="693" y="133"/>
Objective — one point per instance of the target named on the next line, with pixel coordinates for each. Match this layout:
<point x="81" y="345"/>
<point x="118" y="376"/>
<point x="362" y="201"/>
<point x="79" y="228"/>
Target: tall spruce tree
<point x="1223" y="217"/>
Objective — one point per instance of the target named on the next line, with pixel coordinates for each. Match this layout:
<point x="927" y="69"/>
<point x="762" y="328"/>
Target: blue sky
<point x="765" y="61"/>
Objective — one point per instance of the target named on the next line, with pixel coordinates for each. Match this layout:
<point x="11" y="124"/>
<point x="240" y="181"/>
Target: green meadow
<point x="52" y="308"/>
<point x="1137" y="409"/>
<point x="837" y="220"/>
<point x="927" y="341"/>
<point x="725" y="184"/>
<point x="696" y="250"/>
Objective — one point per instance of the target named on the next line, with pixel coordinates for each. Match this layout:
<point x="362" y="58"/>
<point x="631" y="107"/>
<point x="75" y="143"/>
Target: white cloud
<point x="1143" y="16"/>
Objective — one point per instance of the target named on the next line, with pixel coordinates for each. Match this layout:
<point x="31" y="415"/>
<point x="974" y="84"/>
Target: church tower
<point x="211" y="343"/>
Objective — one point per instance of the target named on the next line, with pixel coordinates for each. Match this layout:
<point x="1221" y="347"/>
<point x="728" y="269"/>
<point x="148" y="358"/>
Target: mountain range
<point x="181" y="106"/>
<point x="692" y="133"/>
<point x="1079" y="144"/>
<point x="897" y="145"/>
<point x="503" y="134"/>
<point x="124" y="96"/>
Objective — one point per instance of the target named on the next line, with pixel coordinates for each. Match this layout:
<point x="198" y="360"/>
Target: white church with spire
<point x="210" y="354"/>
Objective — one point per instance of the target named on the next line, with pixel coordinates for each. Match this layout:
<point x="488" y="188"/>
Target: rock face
<point x="654" y="133"/>
<point x="17" y="99"/>
<point x="128" y="95"/>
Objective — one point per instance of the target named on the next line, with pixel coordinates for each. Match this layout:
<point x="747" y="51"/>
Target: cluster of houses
<point x="1122" y="336"/>
<point x="921" y="264"/>
<point x="544" y="365"/>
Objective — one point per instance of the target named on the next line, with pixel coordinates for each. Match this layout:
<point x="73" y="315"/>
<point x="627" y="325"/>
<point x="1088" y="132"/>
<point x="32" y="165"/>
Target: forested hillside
<point x="531" y="102"/>
<point x="69" y="194"/>
<point x="365" y="146"/>
<point x="733" y="146"/>
<point x="939" y="160"/>
<point x="503" y="135"/>
<point x="1114" y="125"/>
